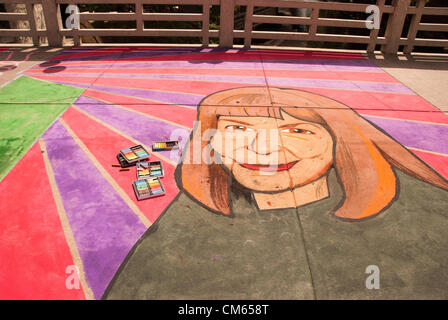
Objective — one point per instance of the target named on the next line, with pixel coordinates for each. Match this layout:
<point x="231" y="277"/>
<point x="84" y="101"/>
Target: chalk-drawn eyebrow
<point x="293" y="125"/>
<point x="237" y="121"/>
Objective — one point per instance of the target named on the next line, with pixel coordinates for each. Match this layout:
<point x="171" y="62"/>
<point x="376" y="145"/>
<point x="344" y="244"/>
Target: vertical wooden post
<point x="413" y="29"/>
<point x="314" y="18"/>
<point x="206" y="23"/>
<point x="32" y="21"/>
<point x="50" y="9"/>
<point x="226" y="21"/>
<point x="395" y="26"/>
<point x="139" y="15"/>
<point x="248" y="25"/>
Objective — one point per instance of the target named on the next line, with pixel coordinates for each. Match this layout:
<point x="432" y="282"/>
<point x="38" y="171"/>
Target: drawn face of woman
<point x="268" y="154"/>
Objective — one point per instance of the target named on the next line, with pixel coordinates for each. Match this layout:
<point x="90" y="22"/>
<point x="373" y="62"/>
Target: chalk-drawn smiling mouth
<point x="271" y="168"/>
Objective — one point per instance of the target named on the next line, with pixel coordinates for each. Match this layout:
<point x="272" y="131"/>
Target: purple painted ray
<point x="103" y="225"/>
<point x="426" y="136"/>
<point x="144" y="129"/>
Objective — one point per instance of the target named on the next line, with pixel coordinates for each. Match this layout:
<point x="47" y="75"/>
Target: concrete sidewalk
<point x="425" y="74"/>
<point x="359" y="175"/>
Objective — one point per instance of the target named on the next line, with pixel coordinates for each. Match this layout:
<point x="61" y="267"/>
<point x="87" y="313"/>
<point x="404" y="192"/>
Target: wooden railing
<point x="313" y="22"/>
<point x="255" y="13"/>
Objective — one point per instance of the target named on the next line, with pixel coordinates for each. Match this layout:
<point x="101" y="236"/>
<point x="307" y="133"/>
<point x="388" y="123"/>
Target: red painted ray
<point x="105" y="144"/>
<point x="306" y="53"/>
<point x="309" y="55"/>
<point x="393" y="105"/>
<point x="103" y="51"/>
<point x="173" y="113"/>
<point x="437" y="162"/>
<point x="72" y="79"/>
<point x="84" y="62"/>
<point x="241" y="55"/>
<point x="405" y="106"/>
<point x="34" y="253"/>
<point x="183" y="86"/>
<point x="236" y="55"/>
<point x="333" y="75"/>
<point x="87" y="53"/>
<point x="150" y="70"/>
<point x="67" y="62"/>
<point x="218" y="56"/>
<point x="282" y="73"/>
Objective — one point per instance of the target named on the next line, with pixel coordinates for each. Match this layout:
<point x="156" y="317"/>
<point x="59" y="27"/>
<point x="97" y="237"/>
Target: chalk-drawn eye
<point x="234" y="127"/>
<point x="298" y="130"/>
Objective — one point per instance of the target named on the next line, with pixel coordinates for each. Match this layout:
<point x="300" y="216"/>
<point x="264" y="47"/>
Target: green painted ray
<point x="27" y="108"/>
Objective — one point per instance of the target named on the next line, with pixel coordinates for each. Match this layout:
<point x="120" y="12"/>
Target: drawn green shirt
<point x="302" y="253"/>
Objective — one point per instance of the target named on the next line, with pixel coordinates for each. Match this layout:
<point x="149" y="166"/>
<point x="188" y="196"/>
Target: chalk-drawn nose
<point x="265" y="142"/>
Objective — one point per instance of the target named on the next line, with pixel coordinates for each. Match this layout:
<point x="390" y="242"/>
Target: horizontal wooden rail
<point x="417" y="12"/>
<point x="256" y="12"/>
<point x="302" y="36"/>
<point x="430" y="11"/>
<point x="433" y="27"/>
<point x="308" y="21"/>
<point x="144" y="33"/>
<point x="170" y="2"/>
<point x="13" y="16"/>
<point x="333" y="6"/>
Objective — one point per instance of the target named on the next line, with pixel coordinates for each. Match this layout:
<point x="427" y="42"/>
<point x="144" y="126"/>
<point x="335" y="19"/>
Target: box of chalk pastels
<point x="165" y="146"/>
<point x="148" y="188"/>
<point x="123" y="162"/>
<point x="149" y="169"/>
<point x="133" y="154"/>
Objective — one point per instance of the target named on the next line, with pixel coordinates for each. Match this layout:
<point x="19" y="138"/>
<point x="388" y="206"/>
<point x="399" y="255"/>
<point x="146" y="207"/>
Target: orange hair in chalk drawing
<point x="363" y="155"/>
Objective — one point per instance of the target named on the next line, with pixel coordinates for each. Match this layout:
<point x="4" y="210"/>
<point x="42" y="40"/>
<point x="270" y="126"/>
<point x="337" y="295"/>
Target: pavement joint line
<point x="114" y="75"/>
<point x="244" y="83"/>
<point x="65" y="223"/>
<point x="302" y="233"/>
<point x="107" y="176"/>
